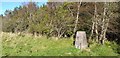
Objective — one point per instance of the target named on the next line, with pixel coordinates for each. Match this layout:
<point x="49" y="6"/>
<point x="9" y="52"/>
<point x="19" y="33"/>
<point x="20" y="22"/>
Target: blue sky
<point x="11" y="5"/>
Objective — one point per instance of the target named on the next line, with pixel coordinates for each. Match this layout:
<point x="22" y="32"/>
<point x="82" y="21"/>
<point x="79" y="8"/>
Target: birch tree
<point x="77" y="18"/>
<point x="100" y="23"/>
<point x="105" y="22"/>
<point x="94" y="24"/>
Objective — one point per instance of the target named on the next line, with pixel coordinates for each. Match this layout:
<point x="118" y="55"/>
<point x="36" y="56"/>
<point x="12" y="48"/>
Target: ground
<point x="28" y="45"/>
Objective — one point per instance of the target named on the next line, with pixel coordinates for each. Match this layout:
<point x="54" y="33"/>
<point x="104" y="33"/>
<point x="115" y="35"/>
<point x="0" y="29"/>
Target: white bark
<point x="94" y="24"/>
<point x="77" y="18"/>
<point x="103" y="23"/>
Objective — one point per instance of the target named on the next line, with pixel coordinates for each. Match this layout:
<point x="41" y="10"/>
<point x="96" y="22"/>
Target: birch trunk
<point x="91" y="35"/>
<point x="105" y="24"/>
<point x="94" y="24"/>
<point x="76" y="22"/>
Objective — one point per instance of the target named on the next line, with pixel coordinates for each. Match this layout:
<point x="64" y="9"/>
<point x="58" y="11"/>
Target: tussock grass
<point x="27" y="45"/>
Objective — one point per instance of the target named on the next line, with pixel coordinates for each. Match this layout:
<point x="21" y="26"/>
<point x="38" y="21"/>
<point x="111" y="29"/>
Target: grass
<point x="17" y="45"/>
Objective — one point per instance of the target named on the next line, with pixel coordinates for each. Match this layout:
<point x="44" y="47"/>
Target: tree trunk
<point x="94" y="24"/>
<point x="91" y="35"/>
<point x="78" y="12"/>
<point x="104" y="29"/>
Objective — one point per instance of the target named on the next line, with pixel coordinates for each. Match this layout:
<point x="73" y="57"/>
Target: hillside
<point x="52" y="28"/>
<point x="26" y="45"/>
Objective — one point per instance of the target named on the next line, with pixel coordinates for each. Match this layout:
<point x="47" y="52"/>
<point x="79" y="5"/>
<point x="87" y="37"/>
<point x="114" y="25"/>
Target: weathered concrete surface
<point x="81" y="40"/>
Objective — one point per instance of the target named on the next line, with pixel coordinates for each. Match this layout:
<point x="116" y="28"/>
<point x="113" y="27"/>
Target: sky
<point x="11" y="5"/>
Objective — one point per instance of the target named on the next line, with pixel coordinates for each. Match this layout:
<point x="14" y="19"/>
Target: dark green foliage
<point x="59" y="21"/>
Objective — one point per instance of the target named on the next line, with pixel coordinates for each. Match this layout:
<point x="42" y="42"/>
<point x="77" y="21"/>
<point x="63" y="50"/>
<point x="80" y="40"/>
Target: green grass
<point x="15" y="45"/>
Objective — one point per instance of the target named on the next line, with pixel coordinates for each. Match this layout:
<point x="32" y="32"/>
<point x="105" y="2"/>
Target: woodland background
<point x="101" y="21"/>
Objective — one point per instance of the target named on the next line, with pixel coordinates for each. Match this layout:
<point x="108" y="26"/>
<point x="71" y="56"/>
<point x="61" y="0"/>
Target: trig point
<point x="81" y="40"/>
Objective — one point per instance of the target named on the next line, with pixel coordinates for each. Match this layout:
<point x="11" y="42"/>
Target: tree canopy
<point x="58" y="19"/>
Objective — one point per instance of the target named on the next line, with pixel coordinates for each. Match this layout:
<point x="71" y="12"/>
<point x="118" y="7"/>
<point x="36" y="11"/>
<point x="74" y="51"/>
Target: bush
<point x="108" y="49"/>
